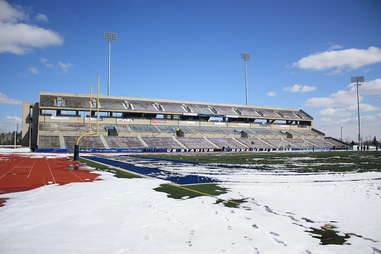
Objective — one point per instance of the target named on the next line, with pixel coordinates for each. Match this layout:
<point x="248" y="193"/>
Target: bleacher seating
<point x="288" y="114"/>
<point x="47" y="126"/>
<point x="143" y="128"/>
<point x="262" y="131"/>
<point x="225" y="110"/>
<point x="270" y="114"/>
<point x="112" y="104"/>
<point x="298" y="143"/>
<point x="200" y="109"/>
<point x="254" y="143"/>
<point x="167" y="128"/>
<point x="248" y="112"/>
<point x="195" y="143"/>
<point x="226" y="142"/>
<point x="302" y="133"/>
<point x="161" y="142"/>
<point x="138" y="123"/>
<point x="89" y="142"/>
<point x="319" y="143"/>
<point x="49" y="142"/>
<point x="277" y="143"/>
<point x="142" y="106"/>
<point x="269" y="137"/>
<point x="335" y="142"/>
<point x="123" y="142"/>
<point x="172" y="107"/>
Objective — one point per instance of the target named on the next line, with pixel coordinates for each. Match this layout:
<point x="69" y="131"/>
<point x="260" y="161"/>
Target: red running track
<point x="21" y="173"/>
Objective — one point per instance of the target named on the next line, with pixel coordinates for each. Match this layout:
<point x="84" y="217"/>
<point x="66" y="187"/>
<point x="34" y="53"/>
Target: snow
<point x="15" y="150"/>
<point x="119" y="215"/>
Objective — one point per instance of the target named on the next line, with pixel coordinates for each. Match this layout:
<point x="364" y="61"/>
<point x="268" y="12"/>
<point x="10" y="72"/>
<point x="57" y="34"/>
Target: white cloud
<point x="4" y="99"/>
<point x="64" y="66"/>
<point x="363" y="108"/>
<point x="340" y="112"/>
<point x="8" y="123"/>
<point x="335" y="46"/>
<point x="340" y="98"/>
<point x="9" y="13"/>
<point x="346" y="58"/>
<point x="340" y="109"/>
<point x="14" y="119"/>
<point x="372" y="87"/>
<point x="19" y="38"/>
<point x="271" y="93"/>
<point x="335" y="112"/>
<point x="369" y="127"/>
<point x="299" y="89"/>
<point x="45" y="62"/>
<point x="41" y="17"/>
<point x="34" y="70"/>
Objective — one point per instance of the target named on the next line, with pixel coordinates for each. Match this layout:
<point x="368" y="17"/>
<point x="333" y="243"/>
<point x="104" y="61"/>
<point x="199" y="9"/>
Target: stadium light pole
<point x="246" y="58"/>
<point x="109" y="37"/>
<point x="341" y="133"/>
<point x="357" y="80"/>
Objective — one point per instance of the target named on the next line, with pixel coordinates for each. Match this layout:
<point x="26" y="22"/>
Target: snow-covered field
<point x="127" y="216"/>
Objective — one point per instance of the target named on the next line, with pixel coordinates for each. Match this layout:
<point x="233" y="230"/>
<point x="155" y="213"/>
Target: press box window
<point x="60" y="102"/>
<point x="93" y="103"/>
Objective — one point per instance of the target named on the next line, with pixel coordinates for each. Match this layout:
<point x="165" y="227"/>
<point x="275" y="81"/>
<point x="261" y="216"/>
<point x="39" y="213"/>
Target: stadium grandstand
<point x="127" y="124"/>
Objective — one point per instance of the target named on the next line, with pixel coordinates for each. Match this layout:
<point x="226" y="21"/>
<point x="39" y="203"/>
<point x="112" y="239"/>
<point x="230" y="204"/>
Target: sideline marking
<point x="30" y="172"/>
<point x="54" y="180"/>
<point x="11" y="169"/>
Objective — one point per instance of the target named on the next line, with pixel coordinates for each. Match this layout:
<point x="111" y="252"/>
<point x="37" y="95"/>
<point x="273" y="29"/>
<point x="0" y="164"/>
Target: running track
<point x="21" y="173"/>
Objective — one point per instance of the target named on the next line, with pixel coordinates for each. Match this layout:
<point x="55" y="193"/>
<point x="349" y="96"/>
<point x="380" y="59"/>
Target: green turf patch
<point x="232" y="203"/>
<point x="328" y="235"/>
<point x="190" y="191"/>
<point x="117" y="173"/>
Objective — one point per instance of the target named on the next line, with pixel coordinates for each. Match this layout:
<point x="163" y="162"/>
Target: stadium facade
<point x="135" y="124"/>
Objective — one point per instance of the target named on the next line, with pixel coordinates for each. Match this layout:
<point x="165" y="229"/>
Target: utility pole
<point x="357" y="80"/>
<point x="15" y="141"/>
<point x="246" y="58"/>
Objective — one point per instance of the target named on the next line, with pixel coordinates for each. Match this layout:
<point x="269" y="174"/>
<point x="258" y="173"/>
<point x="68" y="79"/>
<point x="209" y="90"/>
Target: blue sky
<point x="303" y="53"/>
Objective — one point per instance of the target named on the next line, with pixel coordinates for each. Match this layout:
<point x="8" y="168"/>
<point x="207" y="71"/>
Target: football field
<point x="322" y="202"/>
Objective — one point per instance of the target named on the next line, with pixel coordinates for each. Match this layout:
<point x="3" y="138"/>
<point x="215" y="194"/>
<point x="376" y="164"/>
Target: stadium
<point x="212" y="127"/>
<point x="124" y="124"/>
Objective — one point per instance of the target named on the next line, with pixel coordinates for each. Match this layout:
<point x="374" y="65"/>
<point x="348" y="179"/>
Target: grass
<point x="197" y="190"/>
<point x="117" y="173"/>
<point x="191" y="191"/>
<point x="328" y="235"/>
<point x="339" y="161"/>
<point x="232" y="203"/>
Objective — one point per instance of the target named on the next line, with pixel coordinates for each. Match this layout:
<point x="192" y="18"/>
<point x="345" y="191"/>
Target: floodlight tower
<point x="357" y="80"/>
<point x="109" y="37"/>
<point x="246" y="58"/>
